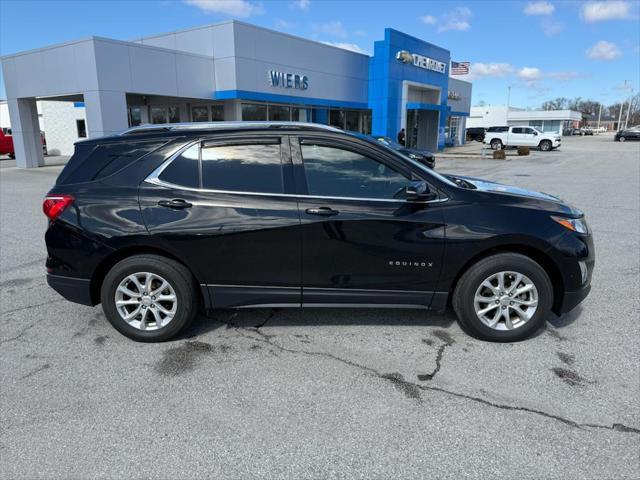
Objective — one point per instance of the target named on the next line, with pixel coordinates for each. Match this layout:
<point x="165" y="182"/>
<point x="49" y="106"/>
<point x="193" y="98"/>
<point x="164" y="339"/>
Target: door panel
<point x="363" y="246"/>
<point x="244" y="245"/>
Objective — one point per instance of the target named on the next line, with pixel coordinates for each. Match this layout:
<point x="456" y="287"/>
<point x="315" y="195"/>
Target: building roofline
<point x="246" y="24"/>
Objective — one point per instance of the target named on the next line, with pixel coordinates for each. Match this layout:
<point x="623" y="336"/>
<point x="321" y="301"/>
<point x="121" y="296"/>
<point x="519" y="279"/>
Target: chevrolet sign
<point x="421" y="61"/>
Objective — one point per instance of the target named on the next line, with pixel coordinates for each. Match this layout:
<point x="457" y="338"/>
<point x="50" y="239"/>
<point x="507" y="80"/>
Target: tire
<point x="12" y="156"/>
<point x="496" y="144"/>
<point x="470" y="283"/>
<point x="622" y="139"/>
<point x="546" y="146"/>
<point x="181" y="286"/>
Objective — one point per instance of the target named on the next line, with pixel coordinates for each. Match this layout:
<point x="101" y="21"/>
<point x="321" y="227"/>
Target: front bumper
<point x="572" y="299"/>
<point x="77" y="290"/>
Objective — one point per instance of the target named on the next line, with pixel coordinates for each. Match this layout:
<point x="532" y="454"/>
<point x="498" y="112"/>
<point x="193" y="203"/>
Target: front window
<point x="336" y="172"/>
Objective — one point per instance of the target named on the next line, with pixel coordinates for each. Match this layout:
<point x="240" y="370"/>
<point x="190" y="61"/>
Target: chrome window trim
<point x="153" y="178"/>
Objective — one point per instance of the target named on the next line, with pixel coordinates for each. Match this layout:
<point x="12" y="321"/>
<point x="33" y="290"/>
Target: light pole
<point x="626" y="121"/>
<point x="621" y="107"/>
<point x="599" y="115"/>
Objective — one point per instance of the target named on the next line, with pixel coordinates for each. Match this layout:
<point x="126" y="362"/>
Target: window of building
<point x="243" y="168"/>
<point x="217" y="113"/>
<point x="336" y="172"/>
<point x="200" y="113"/>
<point x="300" y="114"/>
<point x="135" y="116"/>
<point x="81" y="127"/>
<point x="336" y="118"/>
<point x="183" y="170"/>
<point x="158" y="114"/>
<point x="352" y="121"/>
<point x="169" y="114"/>
<point x="254" y="112"/>
<point x="279" y="113"/>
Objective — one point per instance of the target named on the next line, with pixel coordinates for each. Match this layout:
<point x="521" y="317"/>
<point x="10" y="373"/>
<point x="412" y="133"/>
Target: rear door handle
<point x="322" y="211"/>
<point x="176" y="203"/>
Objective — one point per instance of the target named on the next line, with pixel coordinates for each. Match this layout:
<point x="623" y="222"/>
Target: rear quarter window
<point x="91" y="162"/>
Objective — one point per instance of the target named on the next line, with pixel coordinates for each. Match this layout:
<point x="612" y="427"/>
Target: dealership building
<point x="231" y="71"/>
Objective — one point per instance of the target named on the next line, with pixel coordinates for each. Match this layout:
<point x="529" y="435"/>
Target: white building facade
<point x="556" y="121"/>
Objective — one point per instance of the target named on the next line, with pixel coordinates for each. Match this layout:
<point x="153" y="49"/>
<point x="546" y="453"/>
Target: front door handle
<point x="176" y="203"/>
<point x="322" y="211"/>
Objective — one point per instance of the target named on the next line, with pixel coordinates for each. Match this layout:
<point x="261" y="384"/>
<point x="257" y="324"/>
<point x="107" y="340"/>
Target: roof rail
<point x="172" y="127"/>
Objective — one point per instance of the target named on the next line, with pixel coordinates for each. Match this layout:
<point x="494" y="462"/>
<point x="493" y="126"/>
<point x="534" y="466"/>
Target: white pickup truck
<point x="524" y="136"/>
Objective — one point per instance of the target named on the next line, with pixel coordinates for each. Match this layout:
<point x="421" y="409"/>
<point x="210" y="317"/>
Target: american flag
<point x="460" y="68"/>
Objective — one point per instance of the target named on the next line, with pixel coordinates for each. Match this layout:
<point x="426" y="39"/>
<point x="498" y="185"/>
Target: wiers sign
<point x="421" y="61"/>
<point x="288" y="80"/>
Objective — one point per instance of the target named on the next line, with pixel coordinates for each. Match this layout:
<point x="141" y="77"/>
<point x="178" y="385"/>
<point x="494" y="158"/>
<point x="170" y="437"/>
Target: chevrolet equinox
<point x="163" y="221"/>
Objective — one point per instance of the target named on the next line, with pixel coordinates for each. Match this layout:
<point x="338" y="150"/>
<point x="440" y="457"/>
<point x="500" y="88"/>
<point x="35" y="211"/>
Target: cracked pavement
<point x="331" y="393"/>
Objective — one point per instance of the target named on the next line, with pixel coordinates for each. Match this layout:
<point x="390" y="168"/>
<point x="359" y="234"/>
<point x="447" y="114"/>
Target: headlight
<point x="578" y="225"/>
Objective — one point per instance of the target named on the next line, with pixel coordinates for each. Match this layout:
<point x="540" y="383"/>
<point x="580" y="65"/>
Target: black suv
<point x="161" y="222"/>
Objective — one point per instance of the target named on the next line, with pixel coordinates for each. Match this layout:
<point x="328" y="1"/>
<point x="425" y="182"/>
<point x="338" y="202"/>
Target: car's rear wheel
<point x="149" y="298"/>
<point x="503" y="298"/>
<point x="545" y="145"/>
<point x="496" y="144"/>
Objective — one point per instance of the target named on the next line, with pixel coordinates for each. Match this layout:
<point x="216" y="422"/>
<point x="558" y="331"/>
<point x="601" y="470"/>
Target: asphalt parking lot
<point x="331" y="393"/>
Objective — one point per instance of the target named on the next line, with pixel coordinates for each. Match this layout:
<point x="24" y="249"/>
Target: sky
<point x="541" y="49"/>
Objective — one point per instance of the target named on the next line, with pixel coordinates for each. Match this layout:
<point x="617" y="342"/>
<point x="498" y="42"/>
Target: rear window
<point x="92" y="162"/>
<point x="498" y="129"/>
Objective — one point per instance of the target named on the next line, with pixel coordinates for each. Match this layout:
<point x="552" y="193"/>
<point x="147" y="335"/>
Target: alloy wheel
<point x="506" y="300"/>
<point x="146" y="301"/>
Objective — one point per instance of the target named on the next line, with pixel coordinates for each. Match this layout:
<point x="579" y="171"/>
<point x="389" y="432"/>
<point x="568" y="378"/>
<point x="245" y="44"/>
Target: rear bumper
<point x="77" y="290"/>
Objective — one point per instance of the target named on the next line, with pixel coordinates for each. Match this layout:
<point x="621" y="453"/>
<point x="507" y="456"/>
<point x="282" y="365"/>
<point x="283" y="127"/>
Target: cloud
<point x="347" y="46"/>
<point x="457" y="19"/>
<point x="490" y="69"/>
<point x="529" y="73"/>
<point x="301" y="4"/>
<point x="551" y="27"/>
<point x="601" y="11"/>
<point x="428" y="19"/>
<point x="539" y="8"/>
<point x="603" y="50"/>
<point x="234" y="8"/>
<point x="334" y="28"/>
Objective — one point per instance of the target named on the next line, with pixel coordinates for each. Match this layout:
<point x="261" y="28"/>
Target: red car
<point x="6" y="143"/>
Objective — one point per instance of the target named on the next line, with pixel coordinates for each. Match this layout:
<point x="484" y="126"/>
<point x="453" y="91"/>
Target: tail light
<point x="54" y="205"/>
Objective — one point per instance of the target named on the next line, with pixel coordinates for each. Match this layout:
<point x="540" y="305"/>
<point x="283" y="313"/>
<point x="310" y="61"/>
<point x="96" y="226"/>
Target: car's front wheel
<point x="622" y="139"/>
<point x="496" y="145"/>
<point x="503" y="298"/>
<point x="545" y="145"/>
<point x="149" y="298"/>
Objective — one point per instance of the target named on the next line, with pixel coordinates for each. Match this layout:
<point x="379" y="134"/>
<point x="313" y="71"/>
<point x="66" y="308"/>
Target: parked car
<point x="576" y="131"/>
<point x="6" y="143"/>
<point x="423" y="156"/>
<point x="160" y="223"/>
<point x="475" y="133"/>
<point x="522" y="136"/>
<point x="632" y="133"/>
<point x="586" y="131"/>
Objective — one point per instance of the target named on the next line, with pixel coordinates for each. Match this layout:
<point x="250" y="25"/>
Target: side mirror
<point x="419" y="192"/>
<point x="535" y="134"/>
